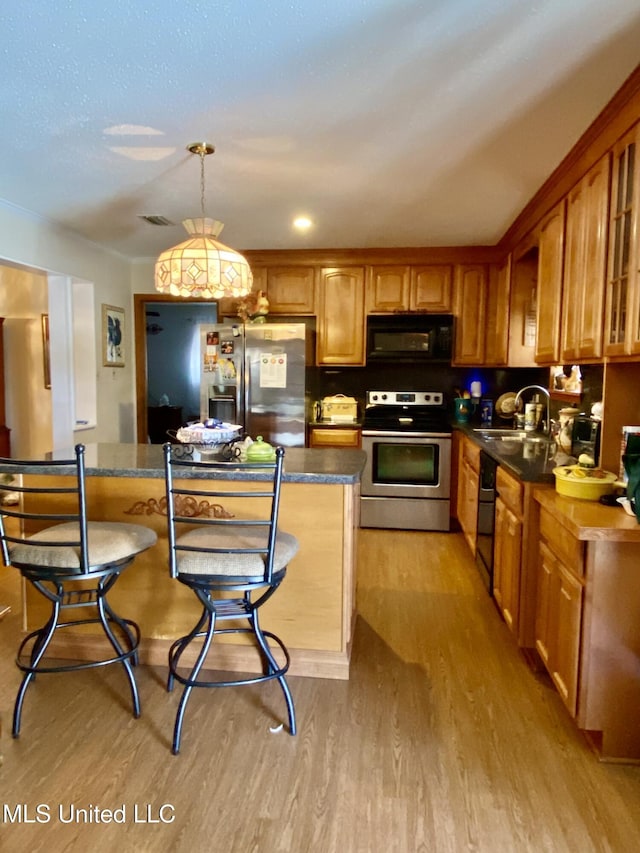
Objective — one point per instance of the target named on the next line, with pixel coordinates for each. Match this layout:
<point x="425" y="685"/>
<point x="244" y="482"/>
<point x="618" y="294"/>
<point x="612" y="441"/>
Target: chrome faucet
<point x="547" y="428"/>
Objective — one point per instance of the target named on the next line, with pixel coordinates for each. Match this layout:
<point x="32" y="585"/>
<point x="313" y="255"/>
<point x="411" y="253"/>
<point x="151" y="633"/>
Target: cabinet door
<point x="507" y="559"/>
<point x="471" y="309"/>
<point x="341" y="318"/>
<point x="546" y="570"/>
<point x="573" y="270"/>
<point x="622" y="305"/>
<point x="566" y="629"/>
<point x="388" y="289"/>
<point x="559" y="623"/>
<point x="349" y="438"/>
<point x="548" y="304"/>
<point x="469" y="508"/>
<point x="585" y="265"/>
<point x="468" y="485"/>
<point x="291" y="290"/>
<point x="591" y="326"/>
<point x="431" y="288"/>
<point x="498" y="320"/>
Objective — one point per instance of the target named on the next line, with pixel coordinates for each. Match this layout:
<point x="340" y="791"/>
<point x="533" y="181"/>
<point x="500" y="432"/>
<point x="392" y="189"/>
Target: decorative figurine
<point x="254" y="307"/>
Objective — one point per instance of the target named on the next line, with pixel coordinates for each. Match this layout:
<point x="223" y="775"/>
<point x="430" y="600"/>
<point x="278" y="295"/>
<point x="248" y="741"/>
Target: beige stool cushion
<point x="108" y="542"/>
<point x="239" y="565"/>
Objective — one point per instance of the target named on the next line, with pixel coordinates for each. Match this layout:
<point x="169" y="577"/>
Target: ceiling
<point x="388" y="122"/>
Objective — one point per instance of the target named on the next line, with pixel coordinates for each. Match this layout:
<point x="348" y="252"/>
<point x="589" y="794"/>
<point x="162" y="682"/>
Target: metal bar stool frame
<point x="211" y="588"/>
<point x="91" y="583"/>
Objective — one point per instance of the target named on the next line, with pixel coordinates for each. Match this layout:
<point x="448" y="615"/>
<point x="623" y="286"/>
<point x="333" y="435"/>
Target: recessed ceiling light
<point x="302" y="223"/>
<point x="132" y="130"/>
<point x="142" y="153"/>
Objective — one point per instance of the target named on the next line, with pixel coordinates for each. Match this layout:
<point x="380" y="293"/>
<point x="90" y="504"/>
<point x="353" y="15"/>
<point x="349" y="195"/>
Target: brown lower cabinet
<point x="515" y="538"/>
<point x="567" y="583"/>
<point x="559" y="607"/>
<point x="587" y="618"/>
<point x="335" y="437"/>
<point x="468" y="482"/>
<point x="507" y="555"/>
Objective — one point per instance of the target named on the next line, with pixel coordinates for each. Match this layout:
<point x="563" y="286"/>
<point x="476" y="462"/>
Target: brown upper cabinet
<point x="388" y="289"/>
<point x="431" y="288"/>
<point x="340" y="325"/>
<point x="622" y="311"/>
<point x="291" y="290"/>
<point x="585" y="259"/>
<point x="521" y="268"/>
<point x="410" y="288"/>
<point x="498" y="319"/>
<point x="471" y="292"/>
<point x="550" y="235"/>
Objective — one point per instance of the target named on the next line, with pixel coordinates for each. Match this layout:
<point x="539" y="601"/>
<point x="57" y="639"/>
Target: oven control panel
<point x="405" y="398"/>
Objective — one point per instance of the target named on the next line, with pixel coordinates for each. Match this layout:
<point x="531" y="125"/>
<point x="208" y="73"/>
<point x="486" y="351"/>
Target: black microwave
<point x="409" y="337"/>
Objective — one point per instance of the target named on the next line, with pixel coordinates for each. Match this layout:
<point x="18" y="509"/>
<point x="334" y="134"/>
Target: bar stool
<point x="72" y="562"/>
<point x="233" y="564"/>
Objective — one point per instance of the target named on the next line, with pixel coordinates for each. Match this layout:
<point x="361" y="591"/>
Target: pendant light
<point x="201" y="266"/>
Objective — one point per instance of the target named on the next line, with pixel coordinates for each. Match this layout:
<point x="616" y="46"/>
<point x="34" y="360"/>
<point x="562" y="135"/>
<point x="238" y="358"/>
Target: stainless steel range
<point x="406" y="483"/>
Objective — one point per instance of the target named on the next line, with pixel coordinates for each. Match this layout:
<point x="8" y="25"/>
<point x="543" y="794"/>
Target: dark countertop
<point x="314" y="466"/>
<point x="530" y="460"/>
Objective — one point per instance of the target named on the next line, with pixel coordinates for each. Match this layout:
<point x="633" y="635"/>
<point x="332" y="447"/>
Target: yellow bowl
<point x="573" y="481"/>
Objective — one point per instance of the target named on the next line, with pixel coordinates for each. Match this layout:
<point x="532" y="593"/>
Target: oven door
<point x="405" y="464"/>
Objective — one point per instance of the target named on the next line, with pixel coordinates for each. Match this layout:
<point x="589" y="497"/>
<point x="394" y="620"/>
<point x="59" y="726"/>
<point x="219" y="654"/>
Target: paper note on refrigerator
<point x="273" y="370"/>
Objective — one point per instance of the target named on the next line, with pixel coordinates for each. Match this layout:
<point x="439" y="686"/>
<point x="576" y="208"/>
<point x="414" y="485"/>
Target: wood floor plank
<point x="442" y="741"/>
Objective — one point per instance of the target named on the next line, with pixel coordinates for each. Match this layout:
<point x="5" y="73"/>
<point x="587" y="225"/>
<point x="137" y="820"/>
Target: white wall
<point x="39" y="246"/>
<point x="142" y="276"/>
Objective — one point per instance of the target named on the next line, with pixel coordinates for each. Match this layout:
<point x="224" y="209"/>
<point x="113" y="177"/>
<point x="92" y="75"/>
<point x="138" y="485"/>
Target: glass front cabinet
<point x="622" y="311"/>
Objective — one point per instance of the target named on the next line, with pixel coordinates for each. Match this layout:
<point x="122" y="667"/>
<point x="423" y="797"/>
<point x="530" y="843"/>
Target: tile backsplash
<point x="356" y="381"/>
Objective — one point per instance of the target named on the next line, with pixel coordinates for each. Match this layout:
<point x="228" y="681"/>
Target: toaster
<point x="339" y="408"/>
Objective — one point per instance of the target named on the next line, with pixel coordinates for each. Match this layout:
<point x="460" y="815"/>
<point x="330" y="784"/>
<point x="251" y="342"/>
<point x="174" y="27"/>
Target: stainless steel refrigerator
<point x="254" y="375"/>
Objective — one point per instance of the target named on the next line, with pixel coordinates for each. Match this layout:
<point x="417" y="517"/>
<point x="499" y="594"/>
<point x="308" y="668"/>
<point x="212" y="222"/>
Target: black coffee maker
<point x="585" y="437"/>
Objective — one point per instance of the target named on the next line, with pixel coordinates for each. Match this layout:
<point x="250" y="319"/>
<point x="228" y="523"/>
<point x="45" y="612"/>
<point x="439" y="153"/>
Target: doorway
<point x="167" y="361"/>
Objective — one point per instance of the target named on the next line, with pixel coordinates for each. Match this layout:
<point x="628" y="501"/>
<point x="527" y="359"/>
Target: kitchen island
<point x="314" y="610"/>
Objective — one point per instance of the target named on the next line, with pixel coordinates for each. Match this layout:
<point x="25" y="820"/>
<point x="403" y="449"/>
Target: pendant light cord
<point x="202" y="154"/>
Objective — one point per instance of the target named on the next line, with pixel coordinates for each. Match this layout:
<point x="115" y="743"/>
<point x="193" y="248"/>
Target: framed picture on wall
<point x="112" y="336"/>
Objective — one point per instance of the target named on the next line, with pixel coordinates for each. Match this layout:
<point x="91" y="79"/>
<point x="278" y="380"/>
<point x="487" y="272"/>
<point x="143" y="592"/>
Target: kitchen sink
<point x="489" y="432"/>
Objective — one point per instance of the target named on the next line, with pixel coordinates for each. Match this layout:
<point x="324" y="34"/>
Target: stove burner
<point x="406" y="411"/>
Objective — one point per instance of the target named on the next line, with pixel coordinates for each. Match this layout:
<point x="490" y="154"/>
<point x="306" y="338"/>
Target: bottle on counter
<point x="530" y="421"/>
<point x="486" y="412"/>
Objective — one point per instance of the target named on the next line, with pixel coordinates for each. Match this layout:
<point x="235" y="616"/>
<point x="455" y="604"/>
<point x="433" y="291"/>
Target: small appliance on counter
<point x="585" y="438"/>
<point x="337" y="409"/>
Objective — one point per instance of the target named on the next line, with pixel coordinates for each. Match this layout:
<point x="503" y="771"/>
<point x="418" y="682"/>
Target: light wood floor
<point x="443" y="740"/>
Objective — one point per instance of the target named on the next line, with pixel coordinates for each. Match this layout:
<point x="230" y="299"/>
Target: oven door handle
<point x="386" y="433"/>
